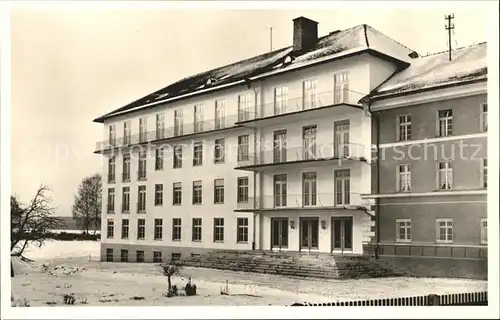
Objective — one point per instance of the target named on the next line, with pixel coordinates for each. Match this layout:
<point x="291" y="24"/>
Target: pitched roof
<point x="435" y="71"/>
<point x="361" y="38"/>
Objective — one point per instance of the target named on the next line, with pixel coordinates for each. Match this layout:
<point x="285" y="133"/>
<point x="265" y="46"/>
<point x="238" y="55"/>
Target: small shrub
<point x="137" y="298"/>
<point x="68" y="299"/>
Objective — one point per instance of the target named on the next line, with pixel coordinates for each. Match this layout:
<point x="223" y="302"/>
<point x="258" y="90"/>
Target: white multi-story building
<point x="269" y="153"/>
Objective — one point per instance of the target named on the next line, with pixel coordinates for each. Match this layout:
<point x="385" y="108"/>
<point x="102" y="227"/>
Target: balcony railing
<point x="296" y="201"/>
<point x="315" y="152"/>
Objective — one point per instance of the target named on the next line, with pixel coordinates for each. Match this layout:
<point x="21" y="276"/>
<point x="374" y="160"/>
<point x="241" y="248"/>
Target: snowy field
<point x="68" y="271"/>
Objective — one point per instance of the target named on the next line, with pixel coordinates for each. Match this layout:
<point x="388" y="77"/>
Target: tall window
<point x="280" y="190"/>
<point x="141" y="204"/>
<point x="177" y="157"/>
<point x="143" y="125"/>
<point x="111" y="200"/>
<point x="197" y="192"/>
<point x="342" y="187"/>
<point x="157" y="257"/>
<point x="125" y="227"/>
<point x="127" y="133"/>
<point x="242" y="230"/>
<point x="160" y="126"/>
<point x="243" y="148"/>
<point x="404" y="127"/>
<point x="142" y="165"/>
<point x="197" y="227"/>
<point x="109" y="255"/>
<point x="124" y="255"/>
<point x="309" y="142"/>
<point x="244" y="105"/>
<point x="444" y="230"/>
<point x="280" y="100"/>
<point x="403" y="230"/>
<point x="341" y="88"/>
<point x="111" y="228"/>
<point x="219" y="151"/>
<point x="176" y="229"/>
<point x="158" y="194"/>
<point x="342" y="138"/>
<point x="220" y="114"/>
<point x="309" y="95"/>
<point x="309" y="188"/>
<point x="111" y="169"/>
<point x="139" y="256"/>
<point x="177" y="193"/>
<point x="198" y="154"/>
<point x="484" y="231"/>
<point x="141" y="229"/>
<point x="485" y="173"/>
<point x="178" y="123"/>
<point x="218" y="229"/>
<point x="445" y="122"/>
<point x="243" y="190"/>
<point x="159" y="159"/>
<point x="158" y="229"/>
<point x="126" y="167"/>
<point x="112" y="135"/>
<point x="219" y="191"/>
<point x="445" y="176"/>
<point x="404" y="177"/>
<point x="484" y="116"/>
<point x="126" y="199"/>
<point x="198" y="118"/>
<point x="279" y="144"/>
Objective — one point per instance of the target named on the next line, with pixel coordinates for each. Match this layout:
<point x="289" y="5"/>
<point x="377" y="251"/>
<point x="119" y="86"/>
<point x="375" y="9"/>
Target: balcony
<point x="321" y="154"/>
<point x="318" y="201"/>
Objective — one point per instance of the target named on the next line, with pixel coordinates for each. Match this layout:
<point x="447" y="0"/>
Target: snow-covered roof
<point x="361" y="38"/>
<point x="436" y="70"/>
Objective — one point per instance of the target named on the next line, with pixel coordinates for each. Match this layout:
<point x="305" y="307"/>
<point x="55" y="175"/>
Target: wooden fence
<point x="454" y="299"/>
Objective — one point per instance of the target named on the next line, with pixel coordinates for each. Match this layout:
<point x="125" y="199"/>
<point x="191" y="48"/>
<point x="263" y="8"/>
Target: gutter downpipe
<point x="377" y="171"/>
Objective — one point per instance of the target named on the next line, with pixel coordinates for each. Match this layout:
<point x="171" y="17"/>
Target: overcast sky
<point x="68" y="67"/>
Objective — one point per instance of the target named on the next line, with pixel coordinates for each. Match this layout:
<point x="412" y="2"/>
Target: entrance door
<point x="342" y="234"/>
<point x="309" y="232"/>
<point x="279" y="233"/>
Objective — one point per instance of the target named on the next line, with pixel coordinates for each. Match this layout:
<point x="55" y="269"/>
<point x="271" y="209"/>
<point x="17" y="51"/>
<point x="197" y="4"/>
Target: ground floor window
<point x="175" y="256"/>
<point x="157" y="256"/>
<point x="444" y="230"/>
<point x="139" y="256"/>
<point x="109" y="255"/>
<point x="484" y="231"/>
<point x="124" y="255"/>
<point x="242" y="233"/>
<point x="218" y="229"/>
<point x="279" y="233"/>
<point x="403" y="230"/>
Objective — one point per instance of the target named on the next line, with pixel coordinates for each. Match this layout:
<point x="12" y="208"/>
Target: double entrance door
<point x="342" y="234"/>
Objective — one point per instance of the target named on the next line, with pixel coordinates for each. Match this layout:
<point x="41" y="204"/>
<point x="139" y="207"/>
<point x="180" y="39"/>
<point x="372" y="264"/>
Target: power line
<point x="449" y="28"/>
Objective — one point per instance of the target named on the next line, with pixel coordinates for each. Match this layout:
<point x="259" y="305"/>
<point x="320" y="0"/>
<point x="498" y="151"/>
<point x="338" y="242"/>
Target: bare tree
<point x="88" y="202"/>
<point x="169" y="270"/>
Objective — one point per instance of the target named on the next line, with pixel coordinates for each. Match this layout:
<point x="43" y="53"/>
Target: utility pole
<point x="449" y="28"/>
<point x="271" y="39"/>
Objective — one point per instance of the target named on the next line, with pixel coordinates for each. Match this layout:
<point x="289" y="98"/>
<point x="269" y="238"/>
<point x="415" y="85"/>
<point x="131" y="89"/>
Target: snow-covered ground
<point x="68" y="271"/>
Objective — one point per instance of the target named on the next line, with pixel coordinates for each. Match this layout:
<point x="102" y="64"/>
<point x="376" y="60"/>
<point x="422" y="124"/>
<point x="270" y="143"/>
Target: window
<point x="445" y="176"/>
<point x="127" y="133"/>
<point x="126" y="199"/>
<point x="243" y="190"/>
<point x="111" y="169"/>
<point x="158" y="229"/>
<point x="158" y="194"/>
<point x="109" y="255"/>
<point x="197" y="154"/>
<point x="219" y="150"/>
<point x="159" y="159"/>
<point x="198" y="118"/>
<point x="444" y="228"/>
<point x="220" y="114"/>
<point x="404" y="128"/>
<point x="178" y="123"/>
<point x="280" y="100"/>
<point x="342" y="138"/>
<point x="196" y="229"/>
<point x="177" y="157"/>
<point x="484" y="231"/>
<point x="309" y="188"/>
<point x="342" y="187"/>
<point x="341" y="88"/>
<point x="309" y="142"/>
<point x="404" y="177"/>
<point x="111" y="228"/>
<point x="280" y="190"/>
<point x="176" y="229"/>
<point x="126" y="168"/>
<point x="111" y="200"/>
<point x="112" y="135"/>
<point x="244" y="104"/>
<point x="219" y="191"/>
<point x="123" y="255"/>
<point x="197" y="192"/>
<point x="139" y="256"/>
<point x="175" y="256"/>
<point x="484" y="116"/>
<point x="218" y="229"/>
<point x="279" y="146"/>
<point x="141" y="229"/>
<point x="141" y="204"/>
<point x="309" y="95"/>
<point x="125" y="227"/>
<point x="403" y="230"/>
<point x="142" y="165"/>
<point x="157" y="256"/>
<point x="177" y="193"/>
<point x="242" y="233"/>
<point x="445" y="122"/>
<point x="485" y="173"/>
<point x="243" y="148"/>
<point x="160" y="126"/>
<point x="143" y="130"/>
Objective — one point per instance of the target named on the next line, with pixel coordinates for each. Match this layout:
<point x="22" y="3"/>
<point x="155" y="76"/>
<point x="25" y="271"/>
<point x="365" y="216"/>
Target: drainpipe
<point x="377" y="170"/>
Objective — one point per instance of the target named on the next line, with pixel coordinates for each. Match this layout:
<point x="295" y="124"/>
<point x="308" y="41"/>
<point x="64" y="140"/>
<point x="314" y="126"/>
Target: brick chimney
<point x="305" y="33"/>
